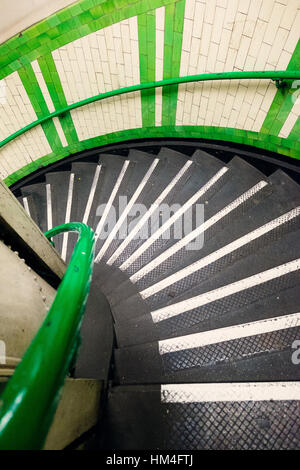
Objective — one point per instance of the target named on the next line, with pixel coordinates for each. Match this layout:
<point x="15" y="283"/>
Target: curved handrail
<point x="278" y="76"/>
<point x="29" y="400"/>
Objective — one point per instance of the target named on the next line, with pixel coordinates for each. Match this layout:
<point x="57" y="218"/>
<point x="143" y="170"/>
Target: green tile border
<point x="255" y="139"/>
<point x="39" y="105"/>
<point x="295" y="132"/>
<point x="282" y="102"/>
<point x="147" y="53"/>
<point x="174" y="21"/>
<point x="52" y="80"/>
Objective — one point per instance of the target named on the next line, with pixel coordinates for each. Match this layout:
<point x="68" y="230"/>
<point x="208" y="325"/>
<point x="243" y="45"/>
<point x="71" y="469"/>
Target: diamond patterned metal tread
<point x="38" y="193"/>
<point x="204" y="416"/>
<point x="255" y="351"/>
<point x="233" y="309"/>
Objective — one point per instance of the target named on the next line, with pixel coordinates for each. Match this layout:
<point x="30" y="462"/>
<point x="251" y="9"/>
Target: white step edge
<point x="201" y="229"/>
<point x="224" y="291"/>
<point x="216" y="255"/>
<point x="220" y="335"/>
<point x="230" y="392"/>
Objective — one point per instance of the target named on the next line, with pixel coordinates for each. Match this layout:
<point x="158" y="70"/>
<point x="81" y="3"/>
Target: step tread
<point x="204" y="416"/>
<point x="232" y="195"/>
<point x="97" y="335"/>
<point x="38" y="193"/>
<point x="194" y="183"/>
<point x="207" y="302"/>
<point x="59" y="182"/>
<point x="84" y="173"/>
<point x="163" y="173"/>
<point x="259" y="350"/>
<point x="30" y="206"/>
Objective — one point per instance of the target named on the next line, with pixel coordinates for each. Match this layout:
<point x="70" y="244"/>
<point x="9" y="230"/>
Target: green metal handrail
<point x="30" y="398"/>
<point x="279" y="76"/>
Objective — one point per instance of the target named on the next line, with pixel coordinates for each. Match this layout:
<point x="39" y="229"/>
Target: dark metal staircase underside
<point x="198" y="352"/>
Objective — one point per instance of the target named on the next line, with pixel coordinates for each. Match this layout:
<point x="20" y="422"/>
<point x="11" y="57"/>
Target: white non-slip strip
<point x="221" y="335"/>
<point x="127" y="209"/>
<point x="235" y="245"/>
<point x="195" y="233"/>
<point x="49" y="207"/>
<point x="110" y="200"/>
<point x="26" y="205"/>
<point x="147" y="215"/>
<point x="136" y="254"/>
<point x="225" y="291"/>
<point x="67" y="218"/>
<point x="230" y="392"/>
<point x="91" y="195"/>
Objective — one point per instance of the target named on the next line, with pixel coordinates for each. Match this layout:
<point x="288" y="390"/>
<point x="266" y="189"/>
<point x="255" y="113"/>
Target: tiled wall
<point x="102" y="61"/>
<point x="235" y="35"/>
<point x="16" y="111"/>
<point x="95" y="46"/>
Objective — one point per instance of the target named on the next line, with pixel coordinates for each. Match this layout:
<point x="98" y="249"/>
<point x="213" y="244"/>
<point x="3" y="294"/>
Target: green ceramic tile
<point x="282" y="104"/>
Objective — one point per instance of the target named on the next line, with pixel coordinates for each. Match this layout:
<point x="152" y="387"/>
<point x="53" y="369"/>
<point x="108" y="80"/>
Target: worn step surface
<point x="219" y="300"/>
<point x="244" y="190"/>
<point x="59" y="182"/>
<point x="83" y="179"/>
<point x="173" y="255"/>
<point x="257" y="350"/>
<point x="270" y="220"/>
<point x="115" y="171"/>
<point x="204" y="182"/>
<point x="97" y="336"/>
<point x="38" y="195"/>
<point x="167" y="174"/>
<point x="29" y="206"/>
<point x="232" y="416"/>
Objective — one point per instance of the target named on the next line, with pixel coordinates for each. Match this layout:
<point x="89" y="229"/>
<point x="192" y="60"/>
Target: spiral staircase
<point x="194" y="343"/>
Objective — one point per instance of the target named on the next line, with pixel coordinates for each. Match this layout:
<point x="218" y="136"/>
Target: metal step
<point x="219" y="301"/>
<point x="190" y="194"/>
<point x="259" y="350"/>
<point x="39" y="199"/>
<point x="176" y="256"/>
<point x="245" y="189"/>
<point x="231" y="416"/>
<point x="29" y="206"/>
<point x="58" y="182"/>
<point x="84" y="173"/>
<point x="97" y="335"/>
<point x="171" y="173"/>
